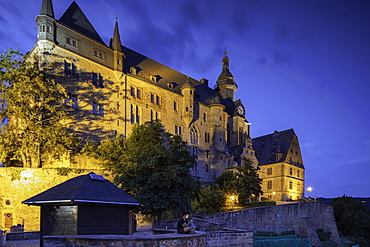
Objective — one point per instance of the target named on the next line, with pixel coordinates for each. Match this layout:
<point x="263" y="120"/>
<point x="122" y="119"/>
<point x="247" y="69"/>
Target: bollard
<point x="2" y="238"/>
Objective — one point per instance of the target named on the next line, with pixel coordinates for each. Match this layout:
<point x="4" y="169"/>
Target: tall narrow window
<point x="205" y="117"/>
<point x="175" y="107"/>
<point x="151" y="98"/>
<point x="74" y="102"/>
<point x="101" y="110"/>
<point x="269" y="185"/>
<point x="67" y="68"/>
<point x="135" y="114"/>
<point x="94" y="109"/>
<point x="269" y="171"/>
<point x="193" y="136"/>
<point x="290" y="185"/>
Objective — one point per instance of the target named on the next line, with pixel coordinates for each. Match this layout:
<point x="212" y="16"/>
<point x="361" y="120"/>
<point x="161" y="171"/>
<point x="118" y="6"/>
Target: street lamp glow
<point x="309" y="189"/>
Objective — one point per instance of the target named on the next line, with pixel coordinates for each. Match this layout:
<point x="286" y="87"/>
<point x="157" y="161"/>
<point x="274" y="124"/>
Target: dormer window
<point x="133" y="70"/>
<point x="153" y="78"/>
<point x="171" y="85"/>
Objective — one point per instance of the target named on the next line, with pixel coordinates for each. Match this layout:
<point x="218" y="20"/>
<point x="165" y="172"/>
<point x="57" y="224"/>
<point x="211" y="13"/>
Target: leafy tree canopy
<point x="243" y="181"/>
<point x="31" y="113"/>
<point x="153" y="166"/>
<point x="353" y="219"/>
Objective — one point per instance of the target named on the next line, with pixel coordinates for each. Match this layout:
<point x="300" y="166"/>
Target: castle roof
<point x="146" y="67"/>
<point x="266" y="147"/>
<point x="74" y="18"/>
<point x="89" y="188"/>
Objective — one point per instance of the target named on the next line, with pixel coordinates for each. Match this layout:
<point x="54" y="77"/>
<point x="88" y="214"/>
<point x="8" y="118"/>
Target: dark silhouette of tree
<point x="353" y="219"/>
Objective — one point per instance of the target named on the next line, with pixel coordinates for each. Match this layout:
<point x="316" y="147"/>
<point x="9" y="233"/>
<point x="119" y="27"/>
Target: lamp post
<point x="309" y="189"/>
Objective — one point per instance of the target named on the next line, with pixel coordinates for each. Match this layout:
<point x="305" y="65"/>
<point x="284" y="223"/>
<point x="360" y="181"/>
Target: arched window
<point x="193" y="135"/>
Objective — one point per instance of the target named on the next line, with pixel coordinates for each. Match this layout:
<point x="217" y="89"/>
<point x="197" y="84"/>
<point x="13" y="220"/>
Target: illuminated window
<point x="298" y="186"/>
<point x="193" y="135"/>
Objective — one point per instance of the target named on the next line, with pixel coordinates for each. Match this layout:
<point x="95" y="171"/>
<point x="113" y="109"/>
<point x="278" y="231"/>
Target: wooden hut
<point x="85" y="205"/>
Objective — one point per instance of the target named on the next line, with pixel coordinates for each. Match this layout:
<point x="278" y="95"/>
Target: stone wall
<point x="303" y="218"/>
<point x="19" y="184"/>
<point x="179" y="240"/>
<point x="229" y="239"/>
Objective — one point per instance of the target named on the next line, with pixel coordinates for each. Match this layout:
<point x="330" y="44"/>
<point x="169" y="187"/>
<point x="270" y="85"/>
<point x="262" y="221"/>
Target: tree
<point x="153" y="166"/>
<point x="210" y="200"/>
<point x="353" y="219"/>
<point x="243" y="181"/>
<point x="31" y="114"/>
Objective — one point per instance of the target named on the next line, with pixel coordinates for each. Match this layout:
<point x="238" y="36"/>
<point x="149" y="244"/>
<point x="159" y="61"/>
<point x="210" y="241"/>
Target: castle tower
<point x="188" y="91"/>
<point x="46" y="26"/>
<point x="226" y="84"/>
<point x="118" y="57"/>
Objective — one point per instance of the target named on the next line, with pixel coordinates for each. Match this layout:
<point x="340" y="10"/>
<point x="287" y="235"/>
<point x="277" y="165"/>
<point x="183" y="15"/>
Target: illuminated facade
<point x="111" y="88"/>
<point x="280" y="165"/>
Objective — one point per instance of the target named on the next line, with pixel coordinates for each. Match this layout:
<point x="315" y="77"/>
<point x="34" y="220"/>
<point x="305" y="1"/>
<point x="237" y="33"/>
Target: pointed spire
<point x="226" y="74"/>
<point x="187" y="83"/>
<point x="47" y="8"/>
<point x="116" y="41"/>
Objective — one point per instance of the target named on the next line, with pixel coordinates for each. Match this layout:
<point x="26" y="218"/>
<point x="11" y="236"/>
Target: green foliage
<point x="353" y="219"/>
<point x="323" y="235"/>
<point x="63" y="171"/>
<point x="15" y="174"/>
<point x="31" y="113"/>
<point x="153" y="166"/>
<point x="210" y="201"/>
<point x="244" y="182"/>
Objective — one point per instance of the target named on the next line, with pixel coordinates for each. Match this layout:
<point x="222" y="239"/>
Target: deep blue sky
<point x="299" y="64"/>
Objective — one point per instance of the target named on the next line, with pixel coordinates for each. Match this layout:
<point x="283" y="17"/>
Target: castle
<point x="111" y="88"/>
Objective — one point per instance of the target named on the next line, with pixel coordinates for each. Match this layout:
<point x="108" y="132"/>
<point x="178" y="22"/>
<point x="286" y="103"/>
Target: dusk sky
<point x="298" y="64"/>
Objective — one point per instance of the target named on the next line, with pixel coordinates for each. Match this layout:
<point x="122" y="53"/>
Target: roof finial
<point x="117" y="18"/>
<point x="225" y="51"/>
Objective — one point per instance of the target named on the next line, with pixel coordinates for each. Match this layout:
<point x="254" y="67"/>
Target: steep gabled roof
<point x="90" y="188"/>
<point x="47" y="8"/>
<point x="266" y="147"/>
<point x="76" y="19"/>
